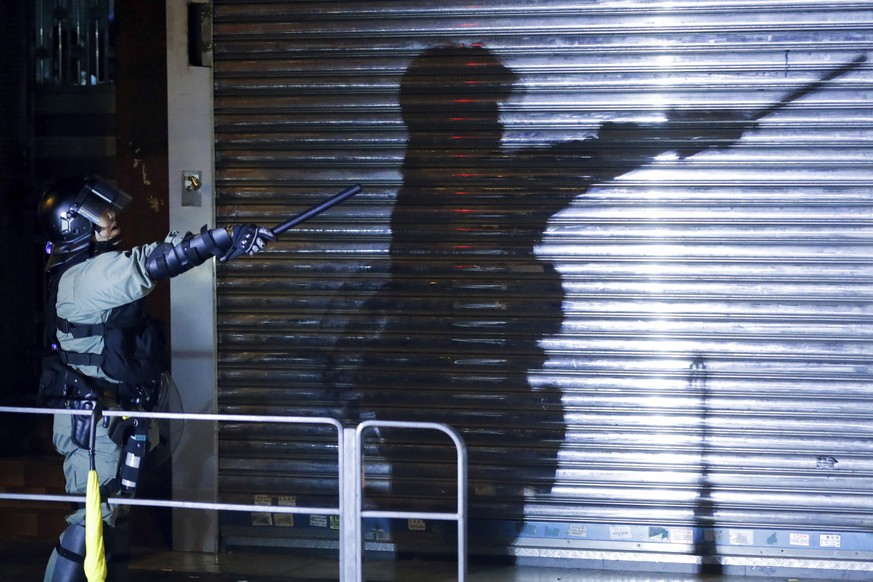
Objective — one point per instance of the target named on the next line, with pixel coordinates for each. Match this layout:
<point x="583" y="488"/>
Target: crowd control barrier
<point x="357" y="487"/>
<point x="349" y="506"/>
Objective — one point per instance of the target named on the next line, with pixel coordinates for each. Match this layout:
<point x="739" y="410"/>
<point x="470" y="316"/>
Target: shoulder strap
<point x="53" y="279"/>
<point x="77" y="330"/>
<point x="118" y="317"/>
<point x="80" y="330"/>
<point x="80" y="359"/>
<point x="53" y="323"/>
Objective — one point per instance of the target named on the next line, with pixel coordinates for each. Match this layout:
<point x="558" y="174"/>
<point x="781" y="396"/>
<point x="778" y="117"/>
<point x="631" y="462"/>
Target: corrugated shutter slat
<point x="623" y="335"/>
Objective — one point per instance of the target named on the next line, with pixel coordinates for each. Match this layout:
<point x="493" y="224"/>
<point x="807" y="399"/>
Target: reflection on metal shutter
<point x="642" y="338"/>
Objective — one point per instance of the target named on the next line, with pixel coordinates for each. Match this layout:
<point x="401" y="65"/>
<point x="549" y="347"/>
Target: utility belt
<point x="62" y="386"/>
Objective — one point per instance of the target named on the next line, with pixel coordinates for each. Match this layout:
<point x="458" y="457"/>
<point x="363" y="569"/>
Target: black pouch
<point x="120" y="428"/>
<point x="135" y="350"/>
<point x="60" y="386"/>
<point x="59" y="383"/>
<point x="141" y="396"/>
<point x="52" y="389"/>
<point x="81" y="433"/>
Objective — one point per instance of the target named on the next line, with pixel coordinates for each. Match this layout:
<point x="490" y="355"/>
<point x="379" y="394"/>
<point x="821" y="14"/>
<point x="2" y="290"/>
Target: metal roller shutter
<point x="649" y="354"/>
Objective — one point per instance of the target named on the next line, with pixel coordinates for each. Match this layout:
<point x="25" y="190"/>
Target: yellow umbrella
<point x="95" y="554"/>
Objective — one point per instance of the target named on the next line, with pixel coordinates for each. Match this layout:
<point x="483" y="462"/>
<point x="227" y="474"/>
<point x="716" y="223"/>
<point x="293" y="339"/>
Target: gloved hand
<point x="247" y="239"/>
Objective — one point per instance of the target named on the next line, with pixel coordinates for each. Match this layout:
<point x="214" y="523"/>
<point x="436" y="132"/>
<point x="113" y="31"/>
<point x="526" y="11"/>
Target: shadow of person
<point x="454" y="336"/>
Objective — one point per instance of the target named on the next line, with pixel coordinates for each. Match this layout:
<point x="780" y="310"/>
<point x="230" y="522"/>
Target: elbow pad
<point x="168" y="260"/>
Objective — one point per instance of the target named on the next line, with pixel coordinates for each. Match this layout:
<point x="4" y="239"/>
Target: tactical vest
<point x="135" y="349"/>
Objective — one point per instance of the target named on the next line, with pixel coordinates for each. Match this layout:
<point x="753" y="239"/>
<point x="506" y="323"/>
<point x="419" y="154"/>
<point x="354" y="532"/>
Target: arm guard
<point x="168" y="260"/>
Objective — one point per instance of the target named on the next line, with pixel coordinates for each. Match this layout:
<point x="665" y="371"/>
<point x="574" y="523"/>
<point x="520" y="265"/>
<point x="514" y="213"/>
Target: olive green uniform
<point x="87" y="293"/>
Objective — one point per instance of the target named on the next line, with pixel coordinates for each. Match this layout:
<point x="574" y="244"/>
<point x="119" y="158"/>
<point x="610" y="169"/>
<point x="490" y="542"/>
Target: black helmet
<point x="70" y="207"/>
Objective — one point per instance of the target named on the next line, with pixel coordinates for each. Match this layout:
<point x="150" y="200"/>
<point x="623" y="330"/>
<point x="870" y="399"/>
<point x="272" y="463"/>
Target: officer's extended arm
<point x="168" y="259"/>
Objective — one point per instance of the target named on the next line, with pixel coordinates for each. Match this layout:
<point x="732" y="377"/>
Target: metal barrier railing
<point x="338" y="510"/>
<point x="460" y="515"/>
<point x="349" y="507"/>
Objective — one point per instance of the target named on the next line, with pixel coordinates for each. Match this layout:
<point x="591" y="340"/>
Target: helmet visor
<point x="97" y="197"/>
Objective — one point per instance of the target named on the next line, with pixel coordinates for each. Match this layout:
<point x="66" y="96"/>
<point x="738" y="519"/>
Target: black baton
<point x="317" y="209"/>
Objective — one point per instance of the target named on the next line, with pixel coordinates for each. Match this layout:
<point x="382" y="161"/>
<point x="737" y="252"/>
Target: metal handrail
<point x="338" y="510"/>
<point x="460" y="515"/>
<point x="349" y="507"/>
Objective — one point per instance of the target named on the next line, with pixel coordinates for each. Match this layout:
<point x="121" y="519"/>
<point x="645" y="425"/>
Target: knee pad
<point x="70" y="562"/>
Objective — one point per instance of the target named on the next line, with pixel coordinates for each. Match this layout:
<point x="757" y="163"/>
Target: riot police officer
<point x="106" y="352"/>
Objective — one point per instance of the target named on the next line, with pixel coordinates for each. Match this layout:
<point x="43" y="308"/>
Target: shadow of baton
<point x="317" y="209"/>
<point x="811" y="87"/>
